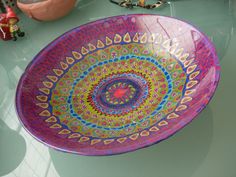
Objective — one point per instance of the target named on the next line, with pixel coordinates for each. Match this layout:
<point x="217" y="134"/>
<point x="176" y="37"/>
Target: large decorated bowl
<point x="117" y="84"/>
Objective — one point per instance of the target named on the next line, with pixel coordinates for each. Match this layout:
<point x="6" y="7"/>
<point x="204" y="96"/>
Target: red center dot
<point x="119" y="93"/>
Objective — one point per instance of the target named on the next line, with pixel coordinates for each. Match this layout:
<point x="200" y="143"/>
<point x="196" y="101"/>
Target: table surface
<point x="205" y="148"/>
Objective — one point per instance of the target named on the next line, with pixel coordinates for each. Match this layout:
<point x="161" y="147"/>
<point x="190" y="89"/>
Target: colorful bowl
<point x="117" y="84"/>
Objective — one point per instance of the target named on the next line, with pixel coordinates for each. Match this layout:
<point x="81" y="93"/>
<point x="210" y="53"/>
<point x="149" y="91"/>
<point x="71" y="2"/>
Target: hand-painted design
<point x="108" y="41"/>
<point x="100" y="44"/>
<point x="45" y="91"/>
<point x="108" y="141"/>
<point x="134" y="136"/>
<point x="154" y="129"/>
<point x="186" y="99"/>
<point x="159" y="39"/>
<point x="51" y="119"/>
<point x="56" y="126"/>
<point x="64" y="132"/>
<point x="76" y="55"/>
<point x="95" y="141"/>
<point x="58" y="72"/>
<point x="89" y="119"/>
<point x="64" y="66"/>
<point x="84" y="139"/>
<point x="74" y="135"/>
<point x="191" y="84"/>
<point x="70" y="60"/>
<point x="167" y="44"/>
<point x="52" y="78"/>
<point x="184" y="57"/>
<point x="42" y="98"/>
<point x="173" y="48"/>
<point x="172" y="116"/>
<point x="179" y="52"/>
<point x="84" y="51"/>
<point x="143" y="38"/>
<point x="144" y="133"/>
<point x="191" y="68"/>
<point x="127" y="38"/>
<point x="64" y="91"/>
<point x="119" y="94"/>
<point x="117" y="39"/>
<point x="151" y="38"/>
<point x="105" y="85"/>
<point x="162" y="123"/>
<point x="42" y="105"/>
<point x="45" y="113"/>
<point x="194" y="75"/>
<point x="189" y="92"/>
<point x="48" y="84"/>
<point x="91" y="47"/>
<point x="181" y="108"/>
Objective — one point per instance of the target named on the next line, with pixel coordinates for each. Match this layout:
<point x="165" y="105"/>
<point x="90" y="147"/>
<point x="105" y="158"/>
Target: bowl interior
<point x="117" y="84"/>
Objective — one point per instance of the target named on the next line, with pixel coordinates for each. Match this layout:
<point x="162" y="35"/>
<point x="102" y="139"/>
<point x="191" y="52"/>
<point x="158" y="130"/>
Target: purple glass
<point x="117" y="84"/>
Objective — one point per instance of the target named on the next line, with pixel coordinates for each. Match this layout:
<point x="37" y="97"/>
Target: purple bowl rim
<point x="164" y="137"/>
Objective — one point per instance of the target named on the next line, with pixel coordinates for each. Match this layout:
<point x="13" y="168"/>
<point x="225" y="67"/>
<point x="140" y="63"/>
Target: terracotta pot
<point x="46" y="10"/>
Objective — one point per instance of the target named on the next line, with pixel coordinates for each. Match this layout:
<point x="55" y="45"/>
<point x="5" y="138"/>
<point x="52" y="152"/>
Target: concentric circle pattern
<point x="119" y="94"/>
<point x="105" y="100"/>
<point x="117" y="91"/>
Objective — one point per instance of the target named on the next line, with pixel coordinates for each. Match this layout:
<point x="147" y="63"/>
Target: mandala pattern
<point x="119" y="88"/>
<point x="119" y="94"/>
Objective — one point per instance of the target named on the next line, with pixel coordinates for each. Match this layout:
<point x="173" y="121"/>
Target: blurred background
<point x="205" y="148"/>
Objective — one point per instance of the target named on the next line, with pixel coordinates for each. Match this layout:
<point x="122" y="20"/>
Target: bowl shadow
<point x="12" y="149"/>
<point x="178" y="156"/>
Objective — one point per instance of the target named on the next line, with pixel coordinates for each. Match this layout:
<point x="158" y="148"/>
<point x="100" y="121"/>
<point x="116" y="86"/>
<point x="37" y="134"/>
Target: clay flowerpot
<point x="46" y="10"/>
